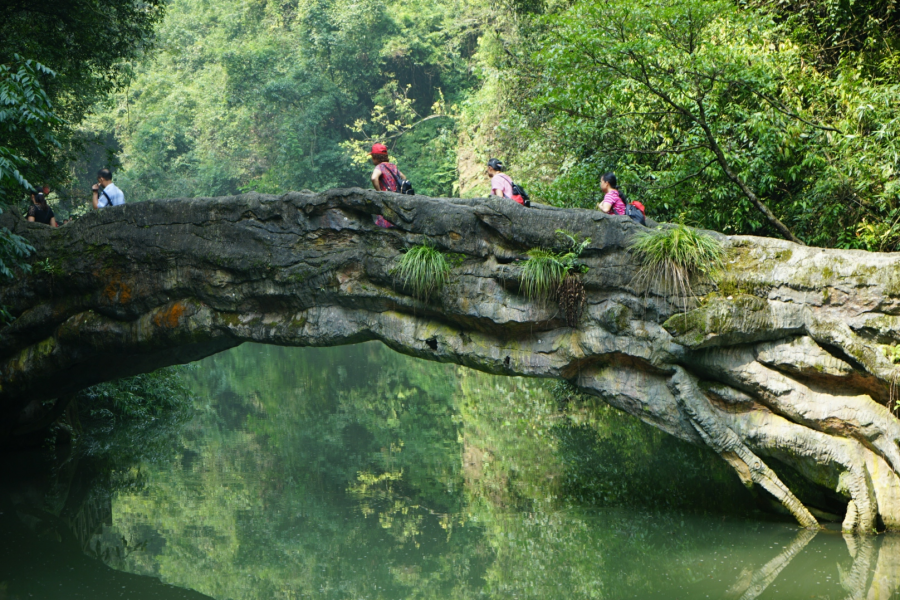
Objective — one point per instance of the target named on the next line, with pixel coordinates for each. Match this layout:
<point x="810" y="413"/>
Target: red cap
<point x="379" y="149"/>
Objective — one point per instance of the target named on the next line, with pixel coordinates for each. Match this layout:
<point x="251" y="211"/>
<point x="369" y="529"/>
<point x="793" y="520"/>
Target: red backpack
<point x="518" y="194"/>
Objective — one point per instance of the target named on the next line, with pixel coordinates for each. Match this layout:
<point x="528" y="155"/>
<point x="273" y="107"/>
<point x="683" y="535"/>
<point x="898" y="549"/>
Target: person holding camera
<point x="105" y="192"/>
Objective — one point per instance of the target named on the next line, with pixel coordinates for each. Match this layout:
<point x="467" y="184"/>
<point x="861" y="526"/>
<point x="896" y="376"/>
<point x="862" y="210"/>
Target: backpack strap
<point x="108" y="199"/>
<point x="394" y="177"/>
<point x="510" y="181"/>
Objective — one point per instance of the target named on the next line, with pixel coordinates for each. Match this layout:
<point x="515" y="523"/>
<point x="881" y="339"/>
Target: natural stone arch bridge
<point x="782" y="371"/>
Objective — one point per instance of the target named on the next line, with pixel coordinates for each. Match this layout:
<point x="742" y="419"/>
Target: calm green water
<point x="357" y="473"/>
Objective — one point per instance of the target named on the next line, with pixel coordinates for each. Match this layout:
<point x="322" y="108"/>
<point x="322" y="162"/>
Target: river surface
<point x="357" y="473"/>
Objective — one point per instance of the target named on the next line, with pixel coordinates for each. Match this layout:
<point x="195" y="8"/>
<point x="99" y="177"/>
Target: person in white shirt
<point x="105" y="191"/>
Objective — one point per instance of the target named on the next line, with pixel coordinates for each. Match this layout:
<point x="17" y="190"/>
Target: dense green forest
<point x="263" y="96"/>
<point x="766" y="117"/>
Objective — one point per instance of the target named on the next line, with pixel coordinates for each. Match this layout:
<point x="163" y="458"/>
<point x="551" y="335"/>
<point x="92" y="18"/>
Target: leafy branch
<point x="391" y="119"/>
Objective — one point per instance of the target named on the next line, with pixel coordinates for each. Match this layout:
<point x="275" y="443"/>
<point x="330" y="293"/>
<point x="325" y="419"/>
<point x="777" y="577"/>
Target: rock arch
<point x="783" y="371"/>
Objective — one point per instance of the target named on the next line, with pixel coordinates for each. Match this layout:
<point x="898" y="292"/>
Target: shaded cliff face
<point x="783" y="364"/>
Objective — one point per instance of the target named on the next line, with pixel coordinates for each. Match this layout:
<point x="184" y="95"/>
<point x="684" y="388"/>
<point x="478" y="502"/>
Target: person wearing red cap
<point x="386" y="177"/>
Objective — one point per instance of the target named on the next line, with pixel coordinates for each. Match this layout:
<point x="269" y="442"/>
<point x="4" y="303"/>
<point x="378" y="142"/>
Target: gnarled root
<point x="728" y="444"/>
<point x="742" y="430"/>
<point x="833" y="462"/>
<point x="757" y="371"/>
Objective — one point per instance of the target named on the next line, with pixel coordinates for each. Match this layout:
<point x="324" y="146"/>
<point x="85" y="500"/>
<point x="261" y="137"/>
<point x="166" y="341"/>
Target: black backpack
<point x="403" y="185"/>
<point x="636" y="214"/>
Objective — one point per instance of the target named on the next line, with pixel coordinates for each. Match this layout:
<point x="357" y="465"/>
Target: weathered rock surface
<point x="781" y="369"/>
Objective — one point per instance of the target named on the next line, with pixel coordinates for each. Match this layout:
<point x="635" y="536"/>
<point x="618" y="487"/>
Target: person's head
<point x="608" y="182"/>
<point x="37" y="197"/>
<point x="494" y="166"/>
<point x="46" y="190"/>
<point x="104" y="177"/>
<point x="379" y="154"/>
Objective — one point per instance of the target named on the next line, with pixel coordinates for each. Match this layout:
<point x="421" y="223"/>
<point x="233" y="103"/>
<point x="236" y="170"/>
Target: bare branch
<point x="726" y="168"/>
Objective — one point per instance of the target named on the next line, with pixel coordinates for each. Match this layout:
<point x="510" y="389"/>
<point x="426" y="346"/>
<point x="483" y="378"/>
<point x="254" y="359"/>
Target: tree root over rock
<point x="721" y="438"/>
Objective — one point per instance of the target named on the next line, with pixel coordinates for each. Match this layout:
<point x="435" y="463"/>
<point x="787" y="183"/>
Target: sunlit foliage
<point x="266" y="96"/>
<point x="89" y="46"/>
<point x="731" y="116"/>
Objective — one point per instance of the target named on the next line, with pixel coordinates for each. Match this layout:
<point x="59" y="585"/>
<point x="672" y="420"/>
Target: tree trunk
<point x="783" y="363"/>
<point x="742" y="185"/>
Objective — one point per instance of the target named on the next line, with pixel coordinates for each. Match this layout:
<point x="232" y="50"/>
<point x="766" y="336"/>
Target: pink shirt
<point x="501" y="185"/>
<point x="390" y="176"/>
<point x="615" y="200"/>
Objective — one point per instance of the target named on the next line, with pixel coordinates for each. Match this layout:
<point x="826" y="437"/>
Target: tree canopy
<point x="773" y="118"/>
<point x="265" y="96"/>
<point x="85" y="47"/>
<point x="58" y="59"/>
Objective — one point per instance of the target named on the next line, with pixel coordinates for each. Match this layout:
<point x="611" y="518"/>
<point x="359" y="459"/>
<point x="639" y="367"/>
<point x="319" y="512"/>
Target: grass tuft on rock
<point x="670" y="256"/>
<point x="424" y="270"/>
<point x="548" y="275"/>
<point x="541" y="274"/>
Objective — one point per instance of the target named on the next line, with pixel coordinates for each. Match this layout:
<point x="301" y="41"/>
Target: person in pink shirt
<point x="612" y="203"/>
<point x="501" y="184"/>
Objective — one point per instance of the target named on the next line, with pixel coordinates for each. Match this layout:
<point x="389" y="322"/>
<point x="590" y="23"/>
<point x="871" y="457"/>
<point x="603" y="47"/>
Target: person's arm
<point x="605" y="207"/>
<point x="53" y="222"/>
<point x="402" y="176"/>
<point x="376" y="179"/>
<point x="96" y="198"/>
<point x="31" y="219"/>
